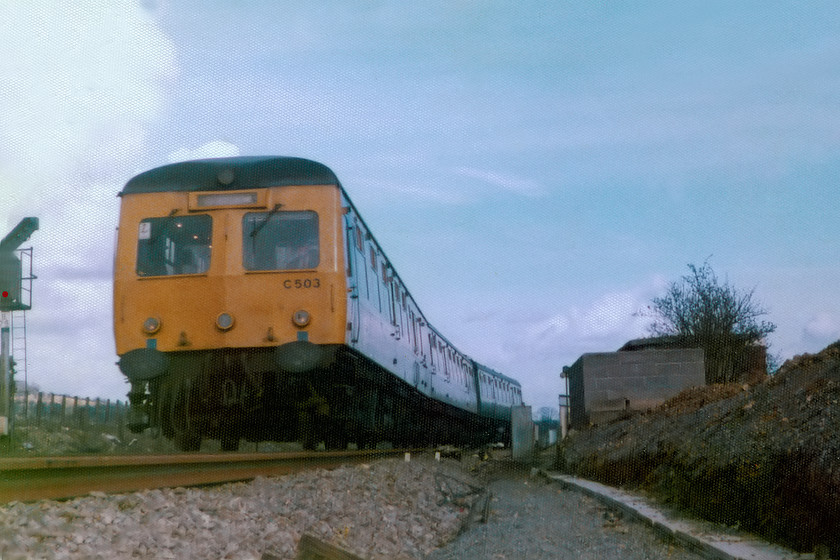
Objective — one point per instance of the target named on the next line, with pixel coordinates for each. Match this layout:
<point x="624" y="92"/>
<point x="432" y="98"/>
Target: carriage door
<point x="353" y="243"/>
<point x="422" y="378"/>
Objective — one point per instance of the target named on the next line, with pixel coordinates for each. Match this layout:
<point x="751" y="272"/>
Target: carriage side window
<point x="447" y="357"/>
<point x="280" y="240"/>
<point x="350" y="235"/>
<point x="174" y="245"/>
<point x="414" y="331"/>
<point x="359" y="243"/>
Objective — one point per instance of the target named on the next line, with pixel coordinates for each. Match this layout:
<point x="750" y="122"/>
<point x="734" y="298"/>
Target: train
<point x="251" y="301"/>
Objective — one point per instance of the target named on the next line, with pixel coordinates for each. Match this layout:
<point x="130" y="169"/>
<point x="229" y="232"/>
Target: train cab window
<point x="280" y="240"/>
<point x="174" y="245"/>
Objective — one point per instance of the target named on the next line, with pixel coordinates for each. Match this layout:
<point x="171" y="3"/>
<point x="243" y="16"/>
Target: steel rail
<point x="29" y="479"/>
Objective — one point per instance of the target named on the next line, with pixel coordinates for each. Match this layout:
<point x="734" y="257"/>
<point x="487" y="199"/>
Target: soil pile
<point x="764" y="458"/>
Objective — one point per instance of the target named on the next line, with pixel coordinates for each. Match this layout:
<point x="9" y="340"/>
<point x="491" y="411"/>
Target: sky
<point x="536" y="172"/>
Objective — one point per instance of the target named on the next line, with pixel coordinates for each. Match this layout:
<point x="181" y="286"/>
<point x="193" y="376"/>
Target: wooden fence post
<point x="38" y="408"/>
<point x="119" y="416"/>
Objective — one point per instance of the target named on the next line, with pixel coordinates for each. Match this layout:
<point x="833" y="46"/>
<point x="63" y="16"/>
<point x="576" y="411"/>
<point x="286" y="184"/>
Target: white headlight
<point x="301" y="318"/>
<point x="224" y="322"/>
<point x="151" y="325"/>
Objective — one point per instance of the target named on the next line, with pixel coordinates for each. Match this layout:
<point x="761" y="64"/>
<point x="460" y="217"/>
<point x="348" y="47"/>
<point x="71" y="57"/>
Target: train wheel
<point x="186" y="438"/>
<point x="309" y="442"/>
<point x="229" y="442"/>
<point x="366" y="440"/>
<point x="187" y="441"/>
<point x="163" y="415"/>
<point x="335" y="440"/>
<point x="306" y="430"/>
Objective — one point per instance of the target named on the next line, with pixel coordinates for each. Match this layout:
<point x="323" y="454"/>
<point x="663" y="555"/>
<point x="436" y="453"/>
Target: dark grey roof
<point x="232" y="173"/>
<point x="653" y="342"/>
<point x="495" y="373"/>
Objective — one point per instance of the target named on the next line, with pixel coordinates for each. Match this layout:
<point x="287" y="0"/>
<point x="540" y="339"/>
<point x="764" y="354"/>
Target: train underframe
<point x="235" y="394"/>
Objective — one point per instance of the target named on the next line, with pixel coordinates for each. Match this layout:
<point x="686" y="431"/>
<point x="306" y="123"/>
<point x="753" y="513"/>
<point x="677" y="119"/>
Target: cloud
<point x="516" y="185"/>
<point x="83" y="83"/>
<point x="368" y="192"/>
<point x="601" y="326"/>
<point x="530" y="336"/>
<point x="214" y="149"/>
<point x="531" y="344"/>
<point x="82" y="80"/>
<point x="823" y="327"/>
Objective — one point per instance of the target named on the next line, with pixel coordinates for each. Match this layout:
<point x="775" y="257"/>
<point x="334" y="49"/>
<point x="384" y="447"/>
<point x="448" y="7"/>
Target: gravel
<point x="388" y="509"/>
<point x="533" y="519"/>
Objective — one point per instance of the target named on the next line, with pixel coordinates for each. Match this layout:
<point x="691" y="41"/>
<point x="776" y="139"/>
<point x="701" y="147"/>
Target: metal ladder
<point x="18" y="325"/>
<point x="18" y="348"/>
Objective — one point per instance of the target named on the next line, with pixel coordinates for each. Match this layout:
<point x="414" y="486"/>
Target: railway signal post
<point x="14" y="296"/>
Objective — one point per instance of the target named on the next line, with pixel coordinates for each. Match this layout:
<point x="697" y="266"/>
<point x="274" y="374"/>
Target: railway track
<point x="37" y="478"/>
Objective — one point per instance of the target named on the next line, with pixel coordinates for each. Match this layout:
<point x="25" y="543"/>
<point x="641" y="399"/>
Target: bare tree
<point x="548" y="414"/>
<point x="699" y="311"/>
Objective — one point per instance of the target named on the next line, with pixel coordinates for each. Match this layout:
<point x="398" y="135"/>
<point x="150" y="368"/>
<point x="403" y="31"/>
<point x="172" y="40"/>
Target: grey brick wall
<point x="605" y="385"/>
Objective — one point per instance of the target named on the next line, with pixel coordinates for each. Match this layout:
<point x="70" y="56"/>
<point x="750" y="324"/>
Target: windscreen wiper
<point x="267" y="218"/>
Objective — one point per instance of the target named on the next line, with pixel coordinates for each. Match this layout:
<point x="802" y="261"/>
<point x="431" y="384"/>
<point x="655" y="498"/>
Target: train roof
<point x="495" y="373"/>
<point x="232" y="173"/>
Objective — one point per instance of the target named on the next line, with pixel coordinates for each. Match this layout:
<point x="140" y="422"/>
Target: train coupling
<point x="137" y="416"/>
<point x="137" y="420"/>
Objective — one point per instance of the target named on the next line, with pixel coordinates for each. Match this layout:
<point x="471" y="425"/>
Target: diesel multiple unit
<point x="251" y="301"/>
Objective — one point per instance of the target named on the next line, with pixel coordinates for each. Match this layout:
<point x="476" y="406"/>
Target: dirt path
<point x="531" y="519"/>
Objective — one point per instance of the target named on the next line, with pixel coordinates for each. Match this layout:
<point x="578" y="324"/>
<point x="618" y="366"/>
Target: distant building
<point x="747" y="366"/>
<point x="606" y="385"/>
<point x="644" y="373"/>
<point x="546" y="433"/>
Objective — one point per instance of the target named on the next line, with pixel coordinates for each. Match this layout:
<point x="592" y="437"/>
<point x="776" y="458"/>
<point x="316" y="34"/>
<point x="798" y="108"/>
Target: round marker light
<point x="224" y="322"/>
<point x="225" y="176"/>
<point x="151" y="325"/>
<point x="301" y="318"/>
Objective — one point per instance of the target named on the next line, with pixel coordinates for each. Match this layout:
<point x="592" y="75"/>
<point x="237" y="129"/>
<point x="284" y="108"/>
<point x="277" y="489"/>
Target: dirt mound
<point x="765" y="458"/>
<point x="695" y="398"/>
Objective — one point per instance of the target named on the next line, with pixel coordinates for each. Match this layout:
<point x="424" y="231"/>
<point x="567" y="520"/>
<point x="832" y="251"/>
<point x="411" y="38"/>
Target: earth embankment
<point x="764" y="458"/>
